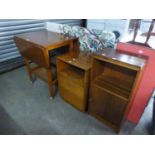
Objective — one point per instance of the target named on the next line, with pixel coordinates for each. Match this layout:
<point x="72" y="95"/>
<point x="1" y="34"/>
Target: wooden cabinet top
<point x="44" y="38"/>
<point x="82" y="60"/>
<point x="118" y="58"/>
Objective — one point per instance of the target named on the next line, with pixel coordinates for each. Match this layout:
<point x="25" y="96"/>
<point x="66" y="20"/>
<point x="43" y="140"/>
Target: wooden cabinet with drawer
<point x="73" y="79"/>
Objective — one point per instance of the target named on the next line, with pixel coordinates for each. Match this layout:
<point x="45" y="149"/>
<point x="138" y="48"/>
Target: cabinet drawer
<point x="71" y="86"/>
<point x="72" y="92"/>
<point x="106" y="105"/>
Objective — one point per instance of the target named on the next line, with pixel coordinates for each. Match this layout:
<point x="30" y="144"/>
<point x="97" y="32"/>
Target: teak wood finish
<point x="35" y="47"/>
<point x="73" y="79"/>
<point x="114" y="80"/>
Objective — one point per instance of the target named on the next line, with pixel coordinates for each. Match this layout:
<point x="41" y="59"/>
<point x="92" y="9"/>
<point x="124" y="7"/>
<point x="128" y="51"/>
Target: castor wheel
<point x="31" y="82"/>
<point x="51" y="98"/>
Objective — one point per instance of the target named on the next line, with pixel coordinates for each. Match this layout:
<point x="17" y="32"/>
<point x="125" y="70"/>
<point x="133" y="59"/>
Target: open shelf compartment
<point x="115" y="79"/>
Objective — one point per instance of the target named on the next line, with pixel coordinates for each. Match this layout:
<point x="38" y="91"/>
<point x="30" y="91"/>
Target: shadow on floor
<point x="7" y="125"/>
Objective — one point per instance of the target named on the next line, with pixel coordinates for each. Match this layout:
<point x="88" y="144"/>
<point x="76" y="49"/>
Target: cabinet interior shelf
<point x="113" y="85"/>
<point x="74" y="74"/>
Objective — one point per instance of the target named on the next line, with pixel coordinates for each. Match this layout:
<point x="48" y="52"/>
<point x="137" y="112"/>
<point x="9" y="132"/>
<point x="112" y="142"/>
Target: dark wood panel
<point x="110" y="107"/>
<point x="32" y="52"/>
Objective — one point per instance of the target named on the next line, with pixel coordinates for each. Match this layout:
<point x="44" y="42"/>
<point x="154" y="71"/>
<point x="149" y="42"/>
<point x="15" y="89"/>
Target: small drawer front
<point x="72" y="92"/>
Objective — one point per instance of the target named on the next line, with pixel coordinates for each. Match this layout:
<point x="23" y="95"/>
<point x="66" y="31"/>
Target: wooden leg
<point x="71" y="49"/>
<point x="50" y="82"/>
<point x="28" y="69"/>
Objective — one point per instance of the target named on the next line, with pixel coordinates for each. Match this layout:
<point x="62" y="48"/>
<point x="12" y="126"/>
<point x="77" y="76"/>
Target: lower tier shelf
<point x="42" y="73"/>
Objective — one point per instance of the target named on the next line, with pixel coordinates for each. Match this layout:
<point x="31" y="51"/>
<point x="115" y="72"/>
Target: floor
<point x="25" y="108"/>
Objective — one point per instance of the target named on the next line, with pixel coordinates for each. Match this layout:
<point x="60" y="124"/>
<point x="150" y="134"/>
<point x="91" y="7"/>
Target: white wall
<point x="108" y="24"/>
<point x="55" y="27"/>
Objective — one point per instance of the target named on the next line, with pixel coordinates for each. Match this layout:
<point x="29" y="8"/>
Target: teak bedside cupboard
<point x="73" y="79"/>
<point x="114" y="79"/>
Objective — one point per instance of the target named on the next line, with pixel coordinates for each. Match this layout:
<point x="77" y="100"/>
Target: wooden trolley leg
<point x="50" y="82"/>
<point x="29" y="69"/>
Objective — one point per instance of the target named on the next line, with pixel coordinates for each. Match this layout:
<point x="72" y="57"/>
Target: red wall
<point x="147" y="83"/>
